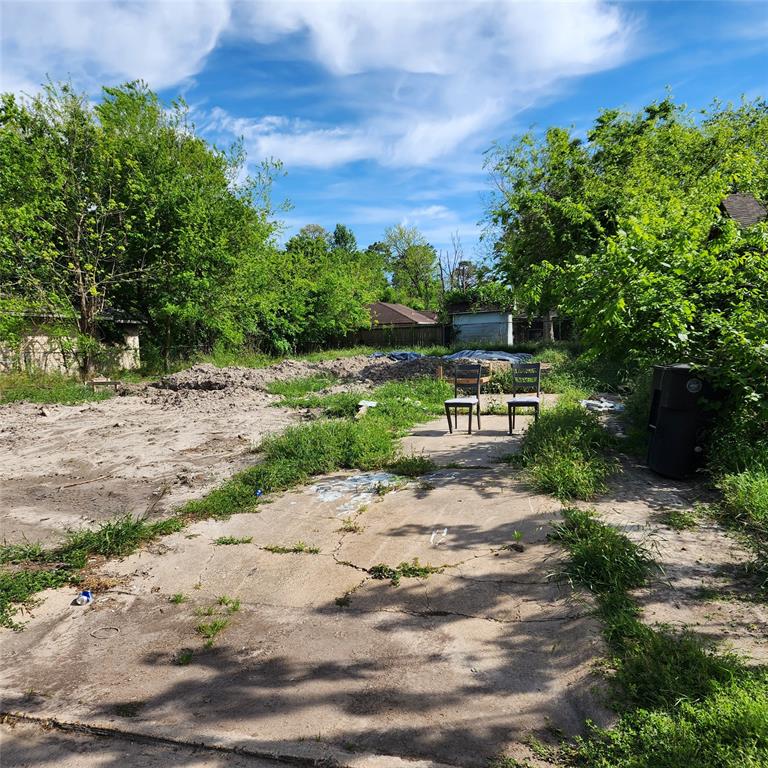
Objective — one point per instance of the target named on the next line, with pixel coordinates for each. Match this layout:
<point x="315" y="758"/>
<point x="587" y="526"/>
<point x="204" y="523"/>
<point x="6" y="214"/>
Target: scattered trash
<point x="601" y="405"/>
<point x="85" y="597"/>
<point x="363" y="406"/>
<point x="484" y="354"/>
<point x="438" y="537"/>
<point x="102" y="633"/>
<point x="259" y="492"/>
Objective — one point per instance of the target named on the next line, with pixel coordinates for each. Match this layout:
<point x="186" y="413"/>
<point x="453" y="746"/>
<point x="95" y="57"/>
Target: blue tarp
<point x="398" y="355"/>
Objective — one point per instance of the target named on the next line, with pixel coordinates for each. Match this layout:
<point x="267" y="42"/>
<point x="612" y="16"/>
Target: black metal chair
<point x="526" y="378"/>
<point x="465" y="377"/>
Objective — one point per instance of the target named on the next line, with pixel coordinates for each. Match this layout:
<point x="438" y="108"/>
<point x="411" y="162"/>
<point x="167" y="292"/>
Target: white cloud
<point x="435" y="75"/>
<point x="427" y="77"/>
<point x="106" y="42"/>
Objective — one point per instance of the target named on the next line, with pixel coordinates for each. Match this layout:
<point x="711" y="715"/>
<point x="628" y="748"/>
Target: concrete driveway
<point x="323" y="661"/>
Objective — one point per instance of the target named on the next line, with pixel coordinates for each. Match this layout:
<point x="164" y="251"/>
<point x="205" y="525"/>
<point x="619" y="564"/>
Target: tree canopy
<point x="624" y="231"/>
<point x="120" y="207"/>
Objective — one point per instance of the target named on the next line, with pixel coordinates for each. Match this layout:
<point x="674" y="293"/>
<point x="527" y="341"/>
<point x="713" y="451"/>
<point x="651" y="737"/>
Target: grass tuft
<point x="46" y="388"/>
<point x="564" y="453"/>
<point x="210" y="629"/>
<point x="412" y="466"/>
<point x="224" y="541"/>
<point x="298" y="548"/>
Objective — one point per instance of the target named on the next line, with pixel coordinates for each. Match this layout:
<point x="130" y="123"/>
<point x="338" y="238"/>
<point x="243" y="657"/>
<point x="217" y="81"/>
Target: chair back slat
<point x="526" y="378"/>
<point x="467" y="377"/>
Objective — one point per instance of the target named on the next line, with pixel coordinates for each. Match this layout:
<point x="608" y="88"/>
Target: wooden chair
<point x="465" y="377"/>
<point x="526" y="378"/>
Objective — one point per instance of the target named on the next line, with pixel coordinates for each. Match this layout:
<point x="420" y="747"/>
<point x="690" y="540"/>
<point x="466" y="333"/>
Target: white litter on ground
<point x="602" y="405"/>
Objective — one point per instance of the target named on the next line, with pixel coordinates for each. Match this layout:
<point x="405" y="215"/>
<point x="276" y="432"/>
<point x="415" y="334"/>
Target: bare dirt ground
<point x="323" y="663"/>
<point x="148" y="452"/>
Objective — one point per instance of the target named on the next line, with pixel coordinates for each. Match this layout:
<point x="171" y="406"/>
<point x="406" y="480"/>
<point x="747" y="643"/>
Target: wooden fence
<point x="402" y="336"/>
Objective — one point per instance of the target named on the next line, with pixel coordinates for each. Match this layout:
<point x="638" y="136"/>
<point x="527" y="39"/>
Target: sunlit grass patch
<point x="47" y="388"/>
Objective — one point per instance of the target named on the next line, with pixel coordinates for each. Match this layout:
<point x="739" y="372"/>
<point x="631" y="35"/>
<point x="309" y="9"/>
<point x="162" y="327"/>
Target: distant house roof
<point x="383" y="313"/>
<point x="744" y="209"/>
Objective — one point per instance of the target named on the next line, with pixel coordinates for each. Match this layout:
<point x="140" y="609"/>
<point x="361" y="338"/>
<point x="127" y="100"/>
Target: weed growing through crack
<point x="209" y="630"/>
<point x="406" y="570"/>
<point x="350" y="525"/>
<point x="224" y="541"/>
<point x="183" y="657"/>
<point x="178" y="598"/>
<point x="298" y="548"/>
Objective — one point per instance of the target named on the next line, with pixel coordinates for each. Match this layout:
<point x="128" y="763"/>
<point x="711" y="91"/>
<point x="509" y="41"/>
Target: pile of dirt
<point x="360" y="369"/>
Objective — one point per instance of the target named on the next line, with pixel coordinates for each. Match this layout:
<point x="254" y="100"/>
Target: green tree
<point x="413" y="265"/>
<point x="626" y="235"/>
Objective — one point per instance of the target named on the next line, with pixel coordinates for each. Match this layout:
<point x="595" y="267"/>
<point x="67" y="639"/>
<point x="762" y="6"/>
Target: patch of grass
<point x="19" y="553"/>
<point x="46" y="388"/>
<point x="412" y="466"/>
<point x="18" y="588"/>
<point x="178" y="598"/>
<point x="679" y="519"/>
<point x="406" y="570"/>
<point x="565" y="453"/>
<point x="297" y="388"/>
<point x="183" y="657"/>
<point x="745" y="496"/>
<point x="225" y="541"/>
<point x="29" y="569"/>
<point x="298" y="548"/>
<point x="211" y="629"/>
<point x="230" y="604"/>
<point x="601" y="557"/>
<point x="726" y="729"/>
<point x="681" y="703"/>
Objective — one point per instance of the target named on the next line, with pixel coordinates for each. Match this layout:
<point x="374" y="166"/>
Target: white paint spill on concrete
<point x="363" y="488"/>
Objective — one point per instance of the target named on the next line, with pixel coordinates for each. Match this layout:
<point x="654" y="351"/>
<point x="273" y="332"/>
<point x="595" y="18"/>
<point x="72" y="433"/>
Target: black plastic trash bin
<point x="678" y="420"/>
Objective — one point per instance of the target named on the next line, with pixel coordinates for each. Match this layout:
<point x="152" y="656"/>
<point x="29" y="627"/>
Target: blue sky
<point x="381" y="111"/>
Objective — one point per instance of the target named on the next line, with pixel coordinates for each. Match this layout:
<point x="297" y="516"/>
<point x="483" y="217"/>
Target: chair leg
<point x="536" y="414"/>
<point x="509" y="416"/>
<point x="514" y="415"/>
<point x="448" y="414"/>
<point x="470" y="419"/>
<point x="478" y="416"/>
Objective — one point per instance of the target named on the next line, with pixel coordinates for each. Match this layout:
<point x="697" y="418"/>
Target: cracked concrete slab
<point x="452" y="668"/>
